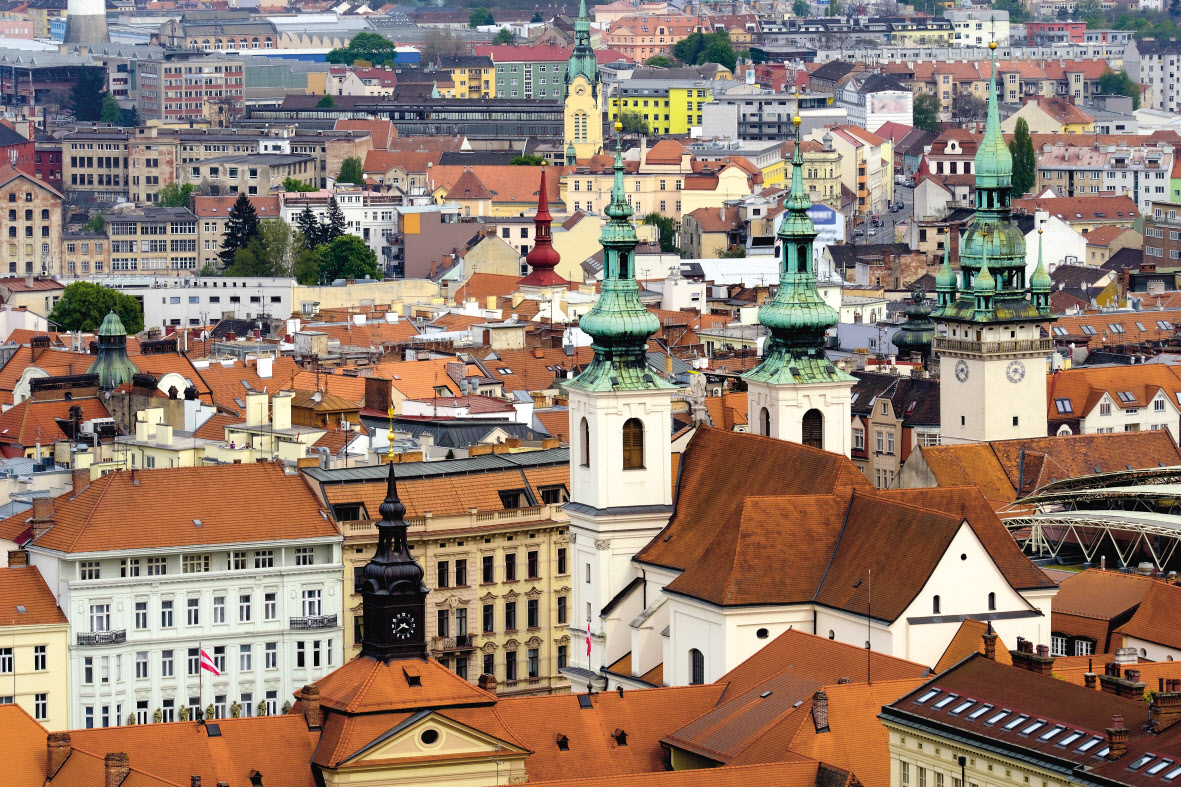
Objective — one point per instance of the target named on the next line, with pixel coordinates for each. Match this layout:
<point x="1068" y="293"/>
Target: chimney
<point x="990" y="643"/>
<point x="1117" y="738"/>
<point x="1126" y="656"/>
<point x="42" y="516"/>
<point x="820" y="711"/>
<point x="487" y="683"/>
<point x="1089" y="678"/>
<point x="117" y="767"/>
<point x="194" y="781"/>
<point x="1166" y="705"/>
<point x="18" y="558"/>
<point x="58" y="748"/>
<point x="538" y="352"/>
<point x="310" y="697"/>
<point x="81" y="478"/>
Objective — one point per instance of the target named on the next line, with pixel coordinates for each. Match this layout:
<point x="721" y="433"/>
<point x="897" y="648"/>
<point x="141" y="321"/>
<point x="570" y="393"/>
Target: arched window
<point x="813" y="431"/>
<point x="801" y="258"/>
<point x="991" y="601"/>
<point x="935" y="605"/>
<point x="765" y="422"/>
<point x="633" y="444"/>
<point x="584" y="439"/>
<point x="696" y="667"/>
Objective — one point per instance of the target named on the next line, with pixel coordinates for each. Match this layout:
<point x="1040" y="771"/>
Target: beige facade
<point x="253" y="175"/>
<point x="37" y="676"/>
<point x="94" y="165"/>
<point x="33" y="227"/>
<point x="152" y="239"/>
<point x="84" y="253"/>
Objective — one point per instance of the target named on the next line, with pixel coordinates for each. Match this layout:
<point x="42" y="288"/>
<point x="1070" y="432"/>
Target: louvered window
<point x="633" y="444"/>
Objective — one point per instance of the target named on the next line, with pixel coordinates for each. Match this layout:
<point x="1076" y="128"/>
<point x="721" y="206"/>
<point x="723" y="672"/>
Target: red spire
<point x="543" y="258"/>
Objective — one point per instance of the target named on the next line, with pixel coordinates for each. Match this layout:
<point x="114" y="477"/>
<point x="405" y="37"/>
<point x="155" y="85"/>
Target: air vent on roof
<point x="764" y="695"/>
<point x="214" y="730"/>
<point x="584" y="702"/>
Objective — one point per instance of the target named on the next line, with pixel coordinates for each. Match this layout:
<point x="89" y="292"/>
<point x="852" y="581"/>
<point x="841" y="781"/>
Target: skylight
<point x="1115" y="327"/>
<point x="997" y="717"/>
<point x="963" y="706"/>
<point x="1045" y="736"/>
<point x="1140" y="326"/>
<point x="1173" y="774"/>
<point x="943" y="703"/>
<point x="1071" y="738"/>
<point x="1059" y="330"/>
<point x="928" y="696"/>
<point x="1088" y="330"/>
<point x="1037" y="725"/>
<point x="1103" y="752"/>
<point x="1088" y="745"/>
<point x="1126" y="396"/>
<point x="1160" y="766"/>
<point x="1017" y="722"/>
<point x="976" y="714"/>
<point x="1141" y="762"/>
<point x="1063" y="405"/>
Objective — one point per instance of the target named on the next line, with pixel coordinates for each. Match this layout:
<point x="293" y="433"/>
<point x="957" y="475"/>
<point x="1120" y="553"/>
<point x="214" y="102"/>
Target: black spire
<point x="393" y="592"/>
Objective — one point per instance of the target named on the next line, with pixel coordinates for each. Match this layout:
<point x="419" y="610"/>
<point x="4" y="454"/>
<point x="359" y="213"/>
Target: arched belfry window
<point x="584" y="443"/>
<point x="765" y="422"/>
<point x="696" y="667"/>
<point x="813" y="429"/>
<point x="802" y="258"/>
<point x="633" y="444"/>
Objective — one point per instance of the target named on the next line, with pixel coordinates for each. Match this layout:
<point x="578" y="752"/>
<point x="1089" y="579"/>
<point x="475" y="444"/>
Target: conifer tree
<point x="336" y="224"/>
<point x="241" y="228"/>
<point x="310" y="227"/>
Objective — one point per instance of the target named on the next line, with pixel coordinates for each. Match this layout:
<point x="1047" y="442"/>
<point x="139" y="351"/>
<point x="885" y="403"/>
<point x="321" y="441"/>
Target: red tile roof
<point x="1158" y="618"/>
<point x="25" y="599"/>
<point x="31" y="422"/>
<point x="1114" y="208"/>
<point x="969" y="639"/>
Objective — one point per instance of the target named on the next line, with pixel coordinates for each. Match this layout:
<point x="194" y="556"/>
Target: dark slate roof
<point x="915" y="398"/>
<point x="10" y="136"/>
<point x="846" y="256"/>
<point x="1076" y="277"/>
<point x="915" y="142"/>
<point x="1124" y="259"/>
<point x="457" y="433"/>
<point x="833" y="70"/>
<point x="926" y="283"/>
<point x="879" y="83"/>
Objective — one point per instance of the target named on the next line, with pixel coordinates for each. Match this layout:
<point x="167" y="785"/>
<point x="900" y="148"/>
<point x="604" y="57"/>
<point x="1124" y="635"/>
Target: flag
<point x="588" y="638"/>
<point x="207" y="663"/>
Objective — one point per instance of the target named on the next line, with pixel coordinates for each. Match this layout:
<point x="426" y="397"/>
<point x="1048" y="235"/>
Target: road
<point x="886" y="234"/>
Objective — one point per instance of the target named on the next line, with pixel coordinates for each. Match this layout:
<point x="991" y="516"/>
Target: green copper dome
<point x="582" y="60"/>
<point x="797" y="316"/>
<point x="112" y="365"/>
<point x="917" y="333"/>
<point x="1040" y="284"/>
<point x="618" y="323"/>
<point x="994" y="162"/>
<point x="946" y="282"/>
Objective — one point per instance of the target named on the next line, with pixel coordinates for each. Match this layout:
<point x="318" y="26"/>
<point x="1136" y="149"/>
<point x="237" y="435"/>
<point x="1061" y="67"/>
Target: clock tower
<point x="392" y="591"/>
<point x="582" y="97"/>
<point x="993" y="356"/>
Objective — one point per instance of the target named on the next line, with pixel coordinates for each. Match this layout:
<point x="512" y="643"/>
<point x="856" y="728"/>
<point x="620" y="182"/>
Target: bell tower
<point x="620" y="451"/>
<point x="582" y="98"/>
<point x="992" y="358"/>
<point x="796" y="393"/>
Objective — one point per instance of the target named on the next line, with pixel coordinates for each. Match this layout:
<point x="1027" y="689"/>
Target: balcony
<point x="993" y="348"/>
<point x="456" y="643"/>
<point x="313" y="622"/>
<point x="91" y="638"/>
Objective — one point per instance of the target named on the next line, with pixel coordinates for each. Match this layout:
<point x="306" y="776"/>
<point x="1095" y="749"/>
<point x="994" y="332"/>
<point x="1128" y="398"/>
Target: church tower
<point x="393" y="593"/>
<point x="993" y="357"/>
<point x="543" y="257"/>
<point x="796" y="393"/>
<point x="620" y="451"/>
<point x="583" y="95"/>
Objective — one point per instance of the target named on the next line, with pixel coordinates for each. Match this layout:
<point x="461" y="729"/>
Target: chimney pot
<point x="117" y="766"/>
<point x="820" y="711"/>
<point x="1090" y="678"/>
<point x="312" y="713"/>
<point x="58" y="748"/>
<point x="194" y="781"/>
<point x="81" y="479"/>
<point x="487" y="683"/>
<point x="17" y="558"/>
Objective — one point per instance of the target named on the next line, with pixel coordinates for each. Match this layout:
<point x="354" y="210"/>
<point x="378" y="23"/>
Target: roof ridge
<point x="102" y="492"/>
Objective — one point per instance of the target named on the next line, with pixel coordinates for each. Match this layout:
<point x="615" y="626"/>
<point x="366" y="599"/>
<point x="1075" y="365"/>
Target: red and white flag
<point x="207" y="663"/>
<point x="588" y="638"/>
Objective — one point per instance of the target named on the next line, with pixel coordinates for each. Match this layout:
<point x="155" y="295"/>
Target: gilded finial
<point x="796" y="120"/>
<point x="992" y="44"/>
<point x="618" y="126"/>
<point x="390" y="413"/>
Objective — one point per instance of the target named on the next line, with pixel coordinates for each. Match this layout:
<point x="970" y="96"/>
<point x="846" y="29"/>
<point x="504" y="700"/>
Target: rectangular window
<point x="40" y="658"/>
<point x="1083" y="647"/>
<point x="510" y="665"/>
<point x="219" y="609"/>
<point x="40" y="707"/>
<point x="141" y="615"/>
<point x="304" y="556"/>
<point x="264" y="558"/>
<point x="100" y="617"/>
<point x="562" y="560"/>
<point x="193" y="605"/>
<point x="89" y="569"/>
<point x="533" y="613"/>
<point x="166" y="664"/>
<point x="300" y="654"/>
<point x="194" y="661"/>
<point x="444" y="572"/>
<point x="510" y="567"/>
<point x="166" y="614"/>
<point x="510" y="616"/>
<point x="238" y="561"/>
<point x="1057" y="646"/>
<point x="489" y="618"/>
<point x="312" y="603"/>
<point x="488" y="570"/>
<point x="245" y="658"/>
<point x="533" y="665"/>
<point x="157" y="566"/>
<point x="88" y="670"/>
<point x="141" y="664"/>
<point x="444" y="623"/>
<point x="271" y="655"/>
<point x="270" y="606"/>
<point x="905" y="773"/>
<point x="244" y="608"/>
<point x="532" y="565"/>
<point x="562" y="651"/>
<point x="129" y="567"/>
<point x="6" y="661"/>
<point x="194" y="564"/>
<point x="561" y="610"/>
<point x="461" y="573"/>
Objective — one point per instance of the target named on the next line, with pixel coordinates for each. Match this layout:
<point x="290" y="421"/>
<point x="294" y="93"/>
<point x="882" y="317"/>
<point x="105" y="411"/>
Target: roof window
<point x="934" y="692"/>
<point x="1087" y="330"/>
<point x="1088" y="745"/>
<point x="1051" y="733"/>
<point x="1127" y="397"/>
<point x="997" y="717"/>
<point x="1115" y="327"/>
<point x="1015" y="723"/>
<point x="943" y="703"/>
<point x="963" y="706"/>
<point x="1173" y="774"/>
<point x="1063" y="406"/>
<point x="1141" y="761"/>
<point x="1071" y="738"/>
<point x="1160" y="766"/>
<point x="976" y="714"/>
<point x="1032" y="728"/>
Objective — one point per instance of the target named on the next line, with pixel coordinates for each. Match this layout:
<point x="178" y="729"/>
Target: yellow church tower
<point x="583" y="97"/>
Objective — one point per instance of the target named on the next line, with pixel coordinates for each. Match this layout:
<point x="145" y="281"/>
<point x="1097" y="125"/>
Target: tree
<point x="291" y="184"/>
<point x="86" y="96"/>
<point x="250" y="260"/>
<point x="1015" y="8"/>
<point x="536" y="18"/>
<point x="968" y="108"/>
<point x="667" y="231"/>
<point x="174" y="195"/>
<point x="347" y="257"/>
<point x="439" y="43"/>
<point x="83" y="306"/>
<point x="326" y="103"/>
<point x="307" y="267"/>
<point x="372" y="47"/>
<point x="336" y="225"/>
<point x="1089" y="11"/>
<point x="527" y="161"/>
<point x="1113" y="83"/>
<point x="926" y="112"/>
<point x="633" y="122"/>
<point x="659" y="61"/>
<point x="351" y="171"/>
<point x="1024" y="159"/>
<point x="241" y="228"/>
<point x="505" y="36"/>
<point x="110" y="109"/>
<point x="701" y="48"/>
<point x="836" y="8"/>
<point x="800" y="8"/>
<point x="129" y="118"/>
<point x="97" y="224"/>
<point x="278" y="246"/>
<point x="310" y="227"/>
<point x="480" y="16"/>
<point x="737" y="252"/>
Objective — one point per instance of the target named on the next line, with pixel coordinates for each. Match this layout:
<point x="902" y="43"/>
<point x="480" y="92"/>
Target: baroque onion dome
<point x="918" y="331"/>
<point x="797" y="316"/>
<point x="619" y="325"/>
<point x="993" y="245"/>
<point x="543" y="257"/>
<point x="392" y="569"/>
<point x="946" y="283"/>
<point x="1040" y="284"/>
<point x="112" y="365"/>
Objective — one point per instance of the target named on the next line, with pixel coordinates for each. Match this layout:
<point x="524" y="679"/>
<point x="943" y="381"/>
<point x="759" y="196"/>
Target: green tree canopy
<point x="1015" y="8"/>
<point x="84" y="305"/>
<point x="346" y="257"/>
<point x="800" y="8"/>
<point x="1112" y="83"/>
<point x="480" y="16"/>
<point x="241" y="228"/>
<point x="110" y="109"/>
<point x="926" y="112"/>
<point x="363" y="46"/>
<point x="1024" y="159"/>
<point x="310" y="228"/>
<point x="129" y="118"/>
<point x="291" y="184"/>
<point x="536" y="18"/>
<point x="174" y="195"/>
<point x="96" y="224"/>
<point x="505" y="36"/>
<point x="659" y="61"/>
<point x="667" y="229"/>
<point x="86" y="95"/>
<point x="1089" y="11"/>
<point x="351" y="171"/>
<point x="701" y="48"/>
<point x="633" y="122"/>
<point x="249" y="260"/>
<point x="335" y="225"/>
<point x="326" y="103"/>
<point x="527" y="161"/>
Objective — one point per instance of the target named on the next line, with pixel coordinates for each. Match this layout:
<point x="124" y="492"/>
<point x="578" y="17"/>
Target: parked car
<point x="908" y="184"/>
<point x="898" y="179"/>
<point x="872" y="231"/>
<point x="859" y="232"/>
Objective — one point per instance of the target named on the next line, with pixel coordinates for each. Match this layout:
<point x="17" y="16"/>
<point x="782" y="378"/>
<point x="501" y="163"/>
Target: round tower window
<point x="762" y="633"/>
<point x="429" y="737"/>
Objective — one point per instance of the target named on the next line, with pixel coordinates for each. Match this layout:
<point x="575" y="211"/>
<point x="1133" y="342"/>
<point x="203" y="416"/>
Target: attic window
<point x="1063" y="406"/>
<point x="1140" y="326"/>
<point x="620" y="737"/>
<point x="1115" y="327"/>
<point x="563" y="743"/>
<point x="412" y="676"/>
<point x="511" y="498"/>
<point x="1127" y="397"/>
<point x="1087" y="330"/>
<point x="349" y="512"/>
<point x="503" y="370"/>
<point x="1141" y="762"/>
<point x="1059" y="330"/>
<point x="21" y="608"/>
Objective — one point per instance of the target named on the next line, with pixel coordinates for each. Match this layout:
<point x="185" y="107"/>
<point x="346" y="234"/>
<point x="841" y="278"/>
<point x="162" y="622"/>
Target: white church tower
<point x="620" y="450"/>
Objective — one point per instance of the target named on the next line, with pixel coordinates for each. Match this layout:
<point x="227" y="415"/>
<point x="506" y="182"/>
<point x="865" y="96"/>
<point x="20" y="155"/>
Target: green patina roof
<point x="112" y="326"/>
<point x="618" y="323"/>
<point x="582" y="60"/>
<point x="994" y="162"/>
<point x="112" y="365"/>
<point x="797" y="316"/>
<point x="917" y="333"/>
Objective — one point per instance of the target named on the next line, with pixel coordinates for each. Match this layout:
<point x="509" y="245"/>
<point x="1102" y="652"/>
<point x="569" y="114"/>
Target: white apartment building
<point x="152" y="566"/>
<point x="979" y="27"/>
<point x="370" y="216"/>
<point x="183" y="301"/>
<point x="1153" y="64"/>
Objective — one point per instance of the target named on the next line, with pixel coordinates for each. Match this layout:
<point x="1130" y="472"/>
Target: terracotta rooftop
<point x="219" y="207"/>
<point x="969" y="639"/>
<point x="1158" y="618"/>
<point x="1113" y="208"/>
<point x="25" y="599"/>
<point x="801" y="773"/>
<point x="1101" y="594"/>
<point x="521" y="370"/>
<point x="32" y="422"/>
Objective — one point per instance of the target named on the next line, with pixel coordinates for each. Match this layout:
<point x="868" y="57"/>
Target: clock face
<point x="961" y="371"/>
<point x="403" y="625"/>
<point x="1015" y="371"/>
<point x="578" y="91"/>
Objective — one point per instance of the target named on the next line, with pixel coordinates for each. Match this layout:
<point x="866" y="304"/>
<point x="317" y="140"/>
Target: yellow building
<point x="667" y="107"/>
<point x="34" y="639"/>
<point x="1051" y="116"/>
<point x="583" y="97"/>
<point x="474" y="76"/>
<point x="155" y="444"/>
<point x="496" y="555"/>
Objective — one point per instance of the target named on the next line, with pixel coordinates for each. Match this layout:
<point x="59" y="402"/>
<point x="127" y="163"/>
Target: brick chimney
<point x="194" y="781"/>
<point x="1165" y="710"/>
<point x="42" y="516"/>
<point x="487" y="683"/>
<point x="17" y="558"/>
<point x="990" y="643"/>
<point x="1126" y="685"/>
<point x="117" y="766"/>
<point x="820" y="711"/>
<point x="1117" y="738"/>
<point x="1026" y="658"/>
<point x="312" y="714"/>
<point x="58" y="748"/>
<point x="81" y="478"/>
<point x="1090" y="679"/>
